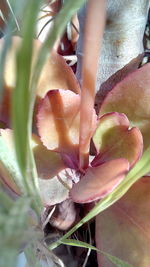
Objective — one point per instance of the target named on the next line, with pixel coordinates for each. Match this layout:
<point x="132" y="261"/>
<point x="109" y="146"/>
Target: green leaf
<point x="20" y="112"/>
<point x="21" y="104"/>
<point x="76" y="243"/>
<point x="116" y="261"/>
<point x="8" y="9"/>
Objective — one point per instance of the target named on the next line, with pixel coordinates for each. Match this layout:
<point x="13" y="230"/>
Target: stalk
<point x="93" y="33"/>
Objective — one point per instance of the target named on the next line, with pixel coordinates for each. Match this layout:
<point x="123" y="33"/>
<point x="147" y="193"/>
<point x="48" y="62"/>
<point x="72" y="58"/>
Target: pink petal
<point x="58" y="121"/>
<point x="123" y="230"/>
<point x="132" y="97"/>
<point x="113" y="139"/>
<point x="99" y="181"/>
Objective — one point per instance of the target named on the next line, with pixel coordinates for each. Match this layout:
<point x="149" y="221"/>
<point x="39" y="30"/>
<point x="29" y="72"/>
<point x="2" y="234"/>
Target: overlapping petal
<point x="58" y="121"/>
<point x="99" y="181"/>
<point x="123" y="230"/>
<point x="113" y="139"/>
<point x="132" y="97"/>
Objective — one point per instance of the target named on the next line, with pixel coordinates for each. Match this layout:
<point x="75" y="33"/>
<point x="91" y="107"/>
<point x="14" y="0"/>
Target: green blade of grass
<point x="7" y="11"/>
<point x="139" y="170"/>
<point x="76" y="243"/>
<point x="21" y="96"/>
<point x="21" y="103"/>
<point x="116" y="261"/>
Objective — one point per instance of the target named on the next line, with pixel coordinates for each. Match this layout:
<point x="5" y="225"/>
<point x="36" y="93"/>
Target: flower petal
<point x="123" y="230"/>
<point x="99" y="181"/>
<point x="58" y="121"/>
<point x="113" y="139"/>
<point x="132" y="97"/>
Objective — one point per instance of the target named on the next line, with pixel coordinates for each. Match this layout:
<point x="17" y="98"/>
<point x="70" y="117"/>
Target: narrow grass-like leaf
<point x="116" y="261"/>
<point x="76" y="243"/>
<point x="7" y="11"/>
<point x="21" y="102"/>
<point x="21" y="96"/>
<point x="139" y="170"/>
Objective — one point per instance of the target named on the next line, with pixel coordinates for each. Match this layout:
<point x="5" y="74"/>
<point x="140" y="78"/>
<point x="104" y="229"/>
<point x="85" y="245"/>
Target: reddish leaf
<point x="123" y="230"/>
<point x="132" y="97"/>
<point x="113" y="139"/>
<point x="99" y="181"/>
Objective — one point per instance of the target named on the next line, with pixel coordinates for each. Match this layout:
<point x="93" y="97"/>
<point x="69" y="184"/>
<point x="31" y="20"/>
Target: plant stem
<point x="93" y="32"/>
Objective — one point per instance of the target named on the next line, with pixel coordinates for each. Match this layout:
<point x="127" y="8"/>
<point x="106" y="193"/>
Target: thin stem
<point x="94" y="26"/>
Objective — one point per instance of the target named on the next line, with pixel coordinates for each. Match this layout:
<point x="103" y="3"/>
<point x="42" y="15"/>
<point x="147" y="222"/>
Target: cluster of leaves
<point x="23" y="169"/>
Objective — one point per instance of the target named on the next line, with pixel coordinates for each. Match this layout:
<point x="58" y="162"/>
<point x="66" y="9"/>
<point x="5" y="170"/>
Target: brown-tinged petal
<point x="99" y="181"/>
<point x="132" y="97"/>
<point x="58" y="121"/>
<point x="113" y="139"/>
<point x="123" y="230"/>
